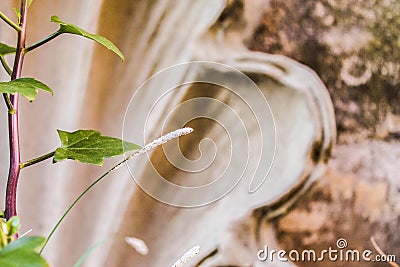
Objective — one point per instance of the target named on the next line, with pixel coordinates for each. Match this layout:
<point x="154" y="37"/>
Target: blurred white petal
<point x="138" y="244"/>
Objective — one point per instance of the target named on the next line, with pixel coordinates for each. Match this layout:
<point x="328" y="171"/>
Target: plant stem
<point x="10" y="22"/>
<point x="5" y="65"/>
<point x="36" y="160"/>
<point x="14" y="170"/>
<point x="8" y="104"/>
<point x="42" y="42"/>
<point x="5" y="95"/>
<point x="82" y="194"/>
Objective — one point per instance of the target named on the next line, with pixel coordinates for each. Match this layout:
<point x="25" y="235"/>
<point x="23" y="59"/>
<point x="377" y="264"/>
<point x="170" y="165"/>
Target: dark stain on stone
<point x="232" y="16"/>
<point x="316" y="151"/>
<point x="266" y="212"/>
<point x="210" y="255"/>
<point x="327" y="153"/>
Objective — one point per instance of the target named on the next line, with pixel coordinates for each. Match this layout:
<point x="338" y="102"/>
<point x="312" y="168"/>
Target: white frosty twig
<point x="190" y="254"/>
<point x="165" y="138"/>
<point x="24" y="234"/>
<point x="138" y="244"/>
<point x="157" y="142"/>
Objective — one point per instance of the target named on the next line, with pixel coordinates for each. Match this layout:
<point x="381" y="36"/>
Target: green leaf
<point x="28" y="87"/>
<point x="73" y="29"/>
<point x="22" y="253"/>
<point x="5" y="49"/>
<point x="29" y="2"/>
<point x="22" y="258"/>
<point x="89" y="146"/>
<point x="29" y="243"/>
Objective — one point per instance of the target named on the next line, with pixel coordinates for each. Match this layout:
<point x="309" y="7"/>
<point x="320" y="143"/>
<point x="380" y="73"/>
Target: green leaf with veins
<point x="89" y="146"/>
<point x="28" y="87"/>
<point x="22" y="252"/>
<point x="5" y="49"/>
<point x="73" y="29"/>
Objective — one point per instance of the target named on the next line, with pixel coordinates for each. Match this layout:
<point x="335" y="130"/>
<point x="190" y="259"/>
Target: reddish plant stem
<point x="13" y="174"/>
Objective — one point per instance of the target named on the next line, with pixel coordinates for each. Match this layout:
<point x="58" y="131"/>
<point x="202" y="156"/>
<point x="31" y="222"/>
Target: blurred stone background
<point x="353" y="46"/>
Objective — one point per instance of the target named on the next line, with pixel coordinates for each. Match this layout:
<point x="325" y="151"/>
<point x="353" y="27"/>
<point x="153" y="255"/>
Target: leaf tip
<point x="54" y="19"/>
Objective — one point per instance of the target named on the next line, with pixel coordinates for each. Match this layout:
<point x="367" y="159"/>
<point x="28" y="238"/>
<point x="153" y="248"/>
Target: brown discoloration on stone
<point x="340" y="39"/>
<point x="370" y="200"/>
<point x="327" y="153"/>
<point x="354" y="206"/>
<point x="232" y="16"/>
<point x="316" y="151"/>
<point x="358" y="197"/>
<point x="299" y="221"/>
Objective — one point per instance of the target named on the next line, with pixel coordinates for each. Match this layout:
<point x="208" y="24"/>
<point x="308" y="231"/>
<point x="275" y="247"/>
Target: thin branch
<point x="42" y="42"/>
<point x="27" y="232"/>
<point x="9" y="105"/>
<point x="36" y="160"/>
<point x="5" y="95"/>
<point x="5" y="65"/>
<point x="10" y="22"/>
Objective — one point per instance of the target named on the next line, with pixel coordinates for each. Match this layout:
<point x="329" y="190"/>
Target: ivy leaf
<point x="89" y="146"/>
<point x="22" y="252"/>
<point x="5" y="49"/>
<point x="73" y="29"/>
<point x="28" y="87"/>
